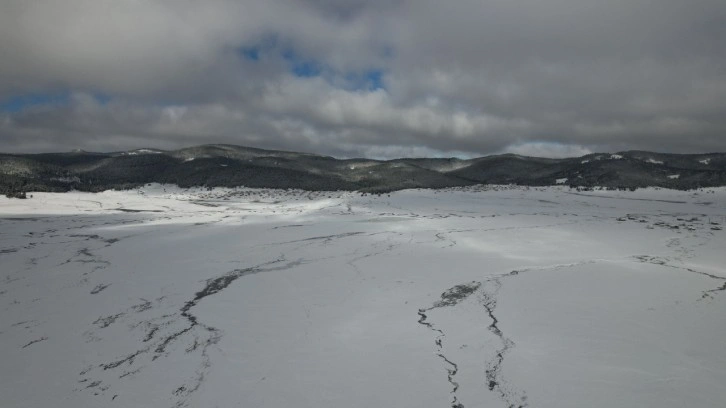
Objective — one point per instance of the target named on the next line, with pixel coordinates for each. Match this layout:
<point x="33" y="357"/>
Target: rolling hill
<point x="230" y="166"/>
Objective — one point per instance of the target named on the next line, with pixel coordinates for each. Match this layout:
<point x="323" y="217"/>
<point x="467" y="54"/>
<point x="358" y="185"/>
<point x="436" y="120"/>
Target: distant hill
<point x="232" y="166"/>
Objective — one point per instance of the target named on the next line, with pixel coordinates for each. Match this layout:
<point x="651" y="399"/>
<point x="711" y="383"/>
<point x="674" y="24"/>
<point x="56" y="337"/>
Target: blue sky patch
<point x="250" y="53"/>
<point x="18" y="103"/>
<point x="306" y="69"/>
<point x="102" y="98"/>
<point x="374" y="79"/>
<point x="370" y="80"/>
<point x="303" y="67"/>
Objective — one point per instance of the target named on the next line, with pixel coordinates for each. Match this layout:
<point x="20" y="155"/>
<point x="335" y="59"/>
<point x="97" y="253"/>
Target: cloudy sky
<point x="375" y="78"/>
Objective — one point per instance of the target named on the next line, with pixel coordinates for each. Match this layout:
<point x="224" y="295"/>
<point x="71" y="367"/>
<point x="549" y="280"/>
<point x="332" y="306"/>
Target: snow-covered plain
<point x="491" y="296"/>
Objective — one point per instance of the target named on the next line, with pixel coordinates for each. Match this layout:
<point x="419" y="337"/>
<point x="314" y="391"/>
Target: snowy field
<point x="478" y="297"/>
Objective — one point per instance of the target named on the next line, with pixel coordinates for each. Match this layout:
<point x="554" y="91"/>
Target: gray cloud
<point x="469" y="77"/>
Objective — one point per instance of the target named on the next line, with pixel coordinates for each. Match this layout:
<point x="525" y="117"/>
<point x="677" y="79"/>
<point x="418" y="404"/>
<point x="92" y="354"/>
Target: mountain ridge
<point x="224" y="165"/>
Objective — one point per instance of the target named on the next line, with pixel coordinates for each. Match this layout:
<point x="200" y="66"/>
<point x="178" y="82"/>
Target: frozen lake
<point x="496" y="297"/>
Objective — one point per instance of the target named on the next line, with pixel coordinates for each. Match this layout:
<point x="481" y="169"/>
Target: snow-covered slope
<point x="485" y="296"/>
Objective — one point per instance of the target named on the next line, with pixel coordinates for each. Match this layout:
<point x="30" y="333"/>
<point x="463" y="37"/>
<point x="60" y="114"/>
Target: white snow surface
<point x="141" y="151"/>
<point x="488" y="296"/>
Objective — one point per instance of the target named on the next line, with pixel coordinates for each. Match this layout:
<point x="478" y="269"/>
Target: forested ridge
<point x="233" y="166"/>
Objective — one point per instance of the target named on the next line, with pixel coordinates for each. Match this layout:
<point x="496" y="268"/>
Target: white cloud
<point x="552" y="150"/>
<point x="552" y="77"/>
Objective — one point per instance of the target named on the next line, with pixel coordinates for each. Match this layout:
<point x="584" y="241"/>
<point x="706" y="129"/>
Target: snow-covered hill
<point x="235" y="166"/>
